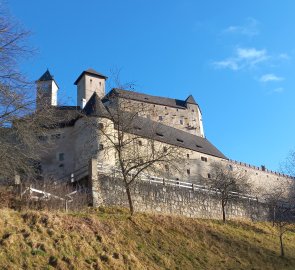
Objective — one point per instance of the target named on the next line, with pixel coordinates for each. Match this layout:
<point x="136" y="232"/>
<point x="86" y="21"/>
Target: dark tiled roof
<point x="191" y="100"/>
<point x="94" y="107"/>
<point x="170" y="102"/>
<point x="145" y="127"/>
<point x="64" y="116"/>
<point x="92" y="72"/>
<point x="46" y="76"/>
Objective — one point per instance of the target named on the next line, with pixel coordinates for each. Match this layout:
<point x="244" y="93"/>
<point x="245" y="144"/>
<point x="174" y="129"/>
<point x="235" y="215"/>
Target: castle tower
<point x="46" y="91"/>
<point x="89" y="82"/>
<point x="196" y="121"/>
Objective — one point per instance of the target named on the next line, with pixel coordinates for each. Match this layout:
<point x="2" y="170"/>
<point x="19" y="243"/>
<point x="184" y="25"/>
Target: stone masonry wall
<point x="149" y="197"/>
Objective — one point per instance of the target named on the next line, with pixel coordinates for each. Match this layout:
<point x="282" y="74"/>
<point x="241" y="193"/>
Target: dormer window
<point x="204" y="159"/>
<point x="61" y="156"/>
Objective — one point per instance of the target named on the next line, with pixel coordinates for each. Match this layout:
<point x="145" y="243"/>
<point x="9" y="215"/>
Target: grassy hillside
<point x="109" y="239"/>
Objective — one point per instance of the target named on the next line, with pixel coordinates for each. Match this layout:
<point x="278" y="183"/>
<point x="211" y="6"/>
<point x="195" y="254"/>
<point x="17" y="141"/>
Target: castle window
<point x="167" y="168"/>
<point x="187" y="155"/>
<point x="42" y="138"/>
<point x="100" y="126"/>
<point x="204" y="159"/>
<point x="193" y="110"/>
<point x="165" y="108"/>
<point x="209" y="175"/>
<point x="100" y="83"/>
<point x="100" y="147"/>
<point x="140" y="143"/>
<point x="188" y="171"/>
<point x="161" y="118"/>
<point x="181" y="122"/>
<point x="159" y="134"/>
<point x="165" y="149"/>
<point x="55" y="136"/>
<point x="61" y="156"/>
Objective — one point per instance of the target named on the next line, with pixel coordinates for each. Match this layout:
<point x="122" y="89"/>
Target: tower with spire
<point x="46" y="91"/>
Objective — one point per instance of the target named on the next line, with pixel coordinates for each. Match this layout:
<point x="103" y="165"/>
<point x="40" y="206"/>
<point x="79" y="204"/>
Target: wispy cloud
<point x="228" y="63"/>
<point x="249" y="28"/>
<point x="270" y="78"/>
<point x="278" y="90"/>
<point x="283" y="56"/>
<point x="243" y="58"/>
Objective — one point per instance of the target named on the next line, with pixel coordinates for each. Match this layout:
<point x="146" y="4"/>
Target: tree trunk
<point x="282" y="245"/>
<point x="223" y="212"/>
<point x="129" y="200"/>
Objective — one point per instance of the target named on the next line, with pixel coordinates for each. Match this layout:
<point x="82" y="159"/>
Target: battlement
<point x="262" y="169"/>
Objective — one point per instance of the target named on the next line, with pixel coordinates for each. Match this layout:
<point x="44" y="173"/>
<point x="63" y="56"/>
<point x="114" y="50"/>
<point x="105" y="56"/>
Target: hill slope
<point x="109" y="239"/>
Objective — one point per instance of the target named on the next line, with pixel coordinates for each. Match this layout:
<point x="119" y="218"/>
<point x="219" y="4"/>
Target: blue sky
<point x="235" y="57"/>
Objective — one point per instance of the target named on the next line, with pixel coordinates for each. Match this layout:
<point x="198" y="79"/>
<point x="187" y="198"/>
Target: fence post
<point x="66" y="205"/>
<point x="17" y="183"/>
<point x="94" y="183"/>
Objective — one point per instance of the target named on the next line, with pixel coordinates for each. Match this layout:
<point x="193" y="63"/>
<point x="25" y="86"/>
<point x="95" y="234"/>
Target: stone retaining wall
<point x="149" y="197"/>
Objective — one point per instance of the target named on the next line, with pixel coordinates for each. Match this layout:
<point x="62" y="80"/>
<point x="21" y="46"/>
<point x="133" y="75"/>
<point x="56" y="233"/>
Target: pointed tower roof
<point x="46" y="76"/>
<point x="94" y="106"/>
<point x="190" y="99"/>
<point x="91" y="72"/>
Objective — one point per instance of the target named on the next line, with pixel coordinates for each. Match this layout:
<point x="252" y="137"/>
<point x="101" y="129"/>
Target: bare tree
<point x="285" y="213"/>
<point x="20" y="126"/>
<point x="130" y="142"/>
<point x="227" y="183"/>
<point x="281" y="201"/>
<point x="288" y="166"/>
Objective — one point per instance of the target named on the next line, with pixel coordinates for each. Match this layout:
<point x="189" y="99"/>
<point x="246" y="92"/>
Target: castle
<point x="179" y="123"/>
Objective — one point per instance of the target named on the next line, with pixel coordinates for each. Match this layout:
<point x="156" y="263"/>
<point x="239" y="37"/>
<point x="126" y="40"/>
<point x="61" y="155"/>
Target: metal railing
<point x="108" y="169"/>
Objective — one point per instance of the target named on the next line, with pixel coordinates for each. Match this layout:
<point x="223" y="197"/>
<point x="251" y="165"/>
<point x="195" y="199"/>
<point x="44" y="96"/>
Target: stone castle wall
<point x="157" y="198"/>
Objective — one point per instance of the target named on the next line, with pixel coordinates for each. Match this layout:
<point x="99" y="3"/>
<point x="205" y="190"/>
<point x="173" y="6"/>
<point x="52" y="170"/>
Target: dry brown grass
<point x="110" y="239"/>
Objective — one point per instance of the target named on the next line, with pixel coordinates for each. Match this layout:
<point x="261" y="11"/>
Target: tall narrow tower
<point x="46" y="91"/>
<point x="88" y="82"/>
